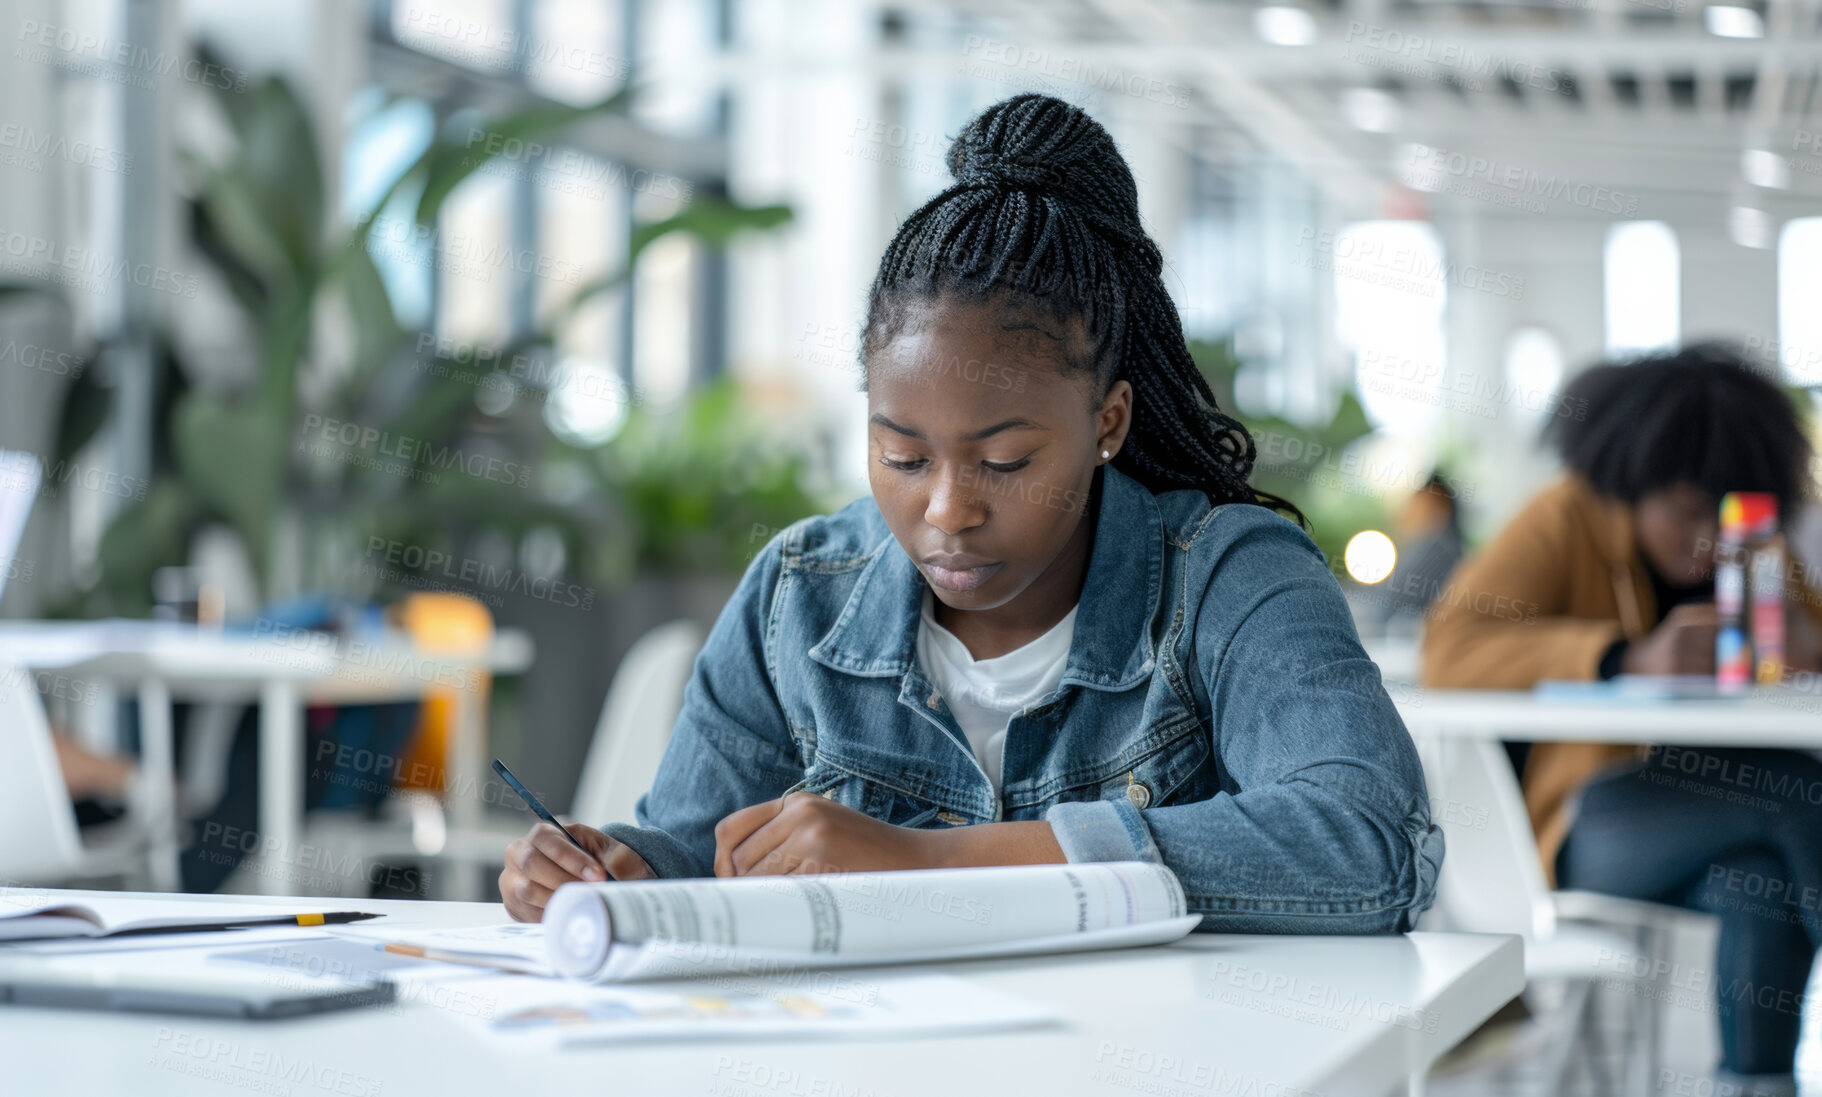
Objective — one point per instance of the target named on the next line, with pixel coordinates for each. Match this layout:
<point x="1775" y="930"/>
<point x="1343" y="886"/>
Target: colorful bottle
<point x="1768" y="610"/>
<point x="1750" y="555"/>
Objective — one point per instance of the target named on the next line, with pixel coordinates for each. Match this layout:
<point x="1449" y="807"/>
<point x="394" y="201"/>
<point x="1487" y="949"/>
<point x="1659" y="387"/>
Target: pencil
<point x="537" y="808"/>
<point x="472" y="959"/>
<point x="333" y="918"/>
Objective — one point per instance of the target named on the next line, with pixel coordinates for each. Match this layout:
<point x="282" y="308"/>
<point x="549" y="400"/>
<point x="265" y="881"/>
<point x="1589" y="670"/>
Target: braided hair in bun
<point x="1043" y="220"/>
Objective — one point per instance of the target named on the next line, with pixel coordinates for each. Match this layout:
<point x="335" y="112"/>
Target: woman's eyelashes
<point x="912" y="464"/>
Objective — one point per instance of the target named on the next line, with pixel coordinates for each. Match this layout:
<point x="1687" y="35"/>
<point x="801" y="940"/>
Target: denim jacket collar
<point x="876" y="634"/>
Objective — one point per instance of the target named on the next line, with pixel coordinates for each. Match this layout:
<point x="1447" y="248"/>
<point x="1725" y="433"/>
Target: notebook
<point x="124" y="917"/>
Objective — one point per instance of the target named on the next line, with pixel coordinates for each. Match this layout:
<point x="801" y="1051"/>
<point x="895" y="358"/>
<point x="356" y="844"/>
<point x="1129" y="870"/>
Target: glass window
<point x="475" y="260"/>
<point x="1799" y="294"/>
<point x="575" y="52"/>
<point x="380" y="147"/>
<point x="1389" y="299"/>
<point x="474" y="33"/>
<point x="582" y="235"/>
<point x="672" y="34"/>
<point x="663" y="282"/>
<point x="1202" y="274"/>
<point x="1534" y="370"/>
<point x="1643" y="288"/>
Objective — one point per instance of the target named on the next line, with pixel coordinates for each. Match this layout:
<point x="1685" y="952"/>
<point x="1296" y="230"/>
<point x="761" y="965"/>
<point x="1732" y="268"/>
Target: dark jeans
<point x="1737" y="833"/>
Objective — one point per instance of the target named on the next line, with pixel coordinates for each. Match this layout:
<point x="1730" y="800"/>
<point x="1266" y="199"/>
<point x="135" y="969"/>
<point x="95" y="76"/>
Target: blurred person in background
<point x="1609" y="570"/>
<point x="97" y="782"/>
<point x="1427" y="531"/>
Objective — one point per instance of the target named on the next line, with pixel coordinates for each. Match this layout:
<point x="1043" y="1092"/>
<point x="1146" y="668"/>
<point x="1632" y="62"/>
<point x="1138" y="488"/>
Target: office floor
<point x="1514" y="1060"/>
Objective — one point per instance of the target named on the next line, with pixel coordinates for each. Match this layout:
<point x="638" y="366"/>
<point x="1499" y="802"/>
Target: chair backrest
<point x="38" y="840"/>
<point x="636" y="720"/>
<point x="1492" y="881"/>
<point x="19" y="474"/>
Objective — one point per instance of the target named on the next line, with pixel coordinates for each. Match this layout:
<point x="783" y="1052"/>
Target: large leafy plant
<point x="259" y="216"/>
<point x="704" y="486"/>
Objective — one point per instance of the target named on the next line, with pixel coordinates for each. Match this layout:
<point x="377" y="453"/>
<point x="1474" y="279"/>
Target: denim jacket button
<point x="1138" y="794"/>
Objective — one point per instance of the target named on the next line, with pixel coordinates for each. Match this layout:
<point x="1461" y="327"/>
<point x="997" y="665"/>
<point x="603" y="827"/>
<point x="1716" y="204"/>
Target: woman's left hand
<point x="803" y="832"/>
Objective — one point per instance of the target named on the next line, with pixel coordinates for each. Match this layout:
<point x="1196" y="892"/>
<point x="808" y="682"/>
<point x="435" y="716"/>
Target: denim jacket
<point x="1216" y="713"/>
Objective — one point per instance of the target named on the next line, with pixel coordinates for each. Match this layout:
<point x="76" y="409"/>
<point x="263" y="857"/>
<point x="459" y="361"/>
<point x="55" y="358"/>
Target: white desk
<point x="1766" y="717"/>
<point x="281" y="673"/>
<point x="1329" y="1015"/>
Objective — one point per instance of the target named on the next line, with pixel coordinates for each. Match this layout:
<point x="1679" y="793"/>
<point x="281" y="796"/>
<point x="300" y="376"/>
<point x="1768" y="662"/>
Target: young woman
<point x="1063" y="628"/>
<point x="1609" y="571"/>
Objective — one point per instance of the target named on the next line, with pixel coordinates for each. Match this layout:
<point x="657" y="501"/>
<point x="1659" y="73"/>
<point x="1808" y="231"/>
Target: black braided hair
<point x="1043" y="221"/>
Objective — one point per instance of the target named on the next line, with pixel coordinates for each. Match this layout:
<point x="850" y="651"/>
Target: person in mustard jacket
<point x="1609" y="570"/>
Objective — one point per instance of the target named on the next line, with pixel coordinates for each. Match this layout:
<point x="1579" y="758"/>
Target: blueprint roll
<point x="619" y="931"/>
<point x="578" y="929"/>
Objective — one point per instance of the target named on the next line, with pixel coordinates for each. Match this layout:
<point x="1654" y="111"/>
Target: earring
<point x="1105" y="456"/>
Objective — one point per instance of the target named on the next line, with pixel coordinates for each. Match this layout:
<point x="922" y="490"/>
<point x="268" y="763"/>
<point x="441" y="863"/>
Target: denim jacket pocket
<point x="868" y="794"/>
<point x="1177" y="770"/>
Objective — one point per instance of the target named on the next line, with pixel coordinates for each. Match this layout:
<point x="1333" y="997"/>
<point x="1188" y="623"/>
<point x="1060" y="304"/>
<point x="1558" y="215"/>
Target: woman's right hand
<point x="1683" y="643"/>
<point x="543" y="860"/>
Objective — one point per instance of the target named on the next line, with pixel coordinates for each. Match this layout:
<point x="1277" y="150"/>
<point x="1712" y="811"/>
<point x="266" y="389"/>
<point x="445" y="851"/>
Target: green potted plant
<point x="235" y="456"/>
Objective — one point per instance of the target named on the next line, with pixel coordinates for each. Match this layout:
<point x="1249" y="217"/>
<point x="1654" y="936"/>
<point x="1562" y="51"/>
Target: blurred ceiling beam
<point x="1328" y="60"/>
<point x="1241" y="102"/>
<point x="1710" y="91"/>
<point x="1354" y="189"/>
<point x="1768" y="86"/>
<point x="1656" y="110"/>
<point x="1655" y="106"/>
<point x="1036" y="16"/>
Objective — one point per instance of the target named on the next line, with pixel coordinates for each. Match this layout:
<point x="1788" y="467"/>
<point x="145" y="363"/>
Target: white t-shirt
<point x="985" y="694"/>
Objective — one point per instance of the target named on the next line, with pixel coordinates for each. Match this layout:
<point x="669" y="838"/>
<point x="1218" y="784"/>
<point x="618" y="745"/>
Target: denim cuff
<point x="666" y="856"/>
<point x="1102" y="830"/>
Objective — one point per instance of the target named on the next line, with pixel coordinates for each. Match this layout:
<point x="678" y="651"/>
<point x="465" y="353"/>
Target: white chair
<point x="1492" y="882"/>
<point x="38" y="838"/>
<point x="636" y="720"/>
<point x="1809" y="1043"/>
<point x="39" y="842"/>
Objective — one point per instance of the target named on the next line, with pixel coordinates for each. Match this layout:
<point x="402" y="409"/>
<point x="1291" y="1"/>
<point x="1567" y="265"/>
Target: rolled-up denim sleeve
<point x="1102" y="830"/>
<point x="731" y="746"/>
<point x="1323" y="824"/>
